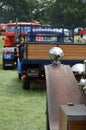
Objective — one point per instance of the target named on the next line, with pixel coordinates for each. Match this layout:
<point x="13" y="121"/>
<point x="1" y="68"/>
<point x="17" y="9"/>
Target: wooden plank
<point x="62" y="88"/>
<point x="39" y="51"/>
<point x="71" y="52"/>
<point x="75" y="52"/>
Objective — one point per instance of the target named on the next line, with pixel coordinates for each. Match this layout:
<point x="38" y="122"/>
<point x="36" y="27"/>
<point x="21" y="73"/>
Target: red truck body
<point x="11" y="38"/>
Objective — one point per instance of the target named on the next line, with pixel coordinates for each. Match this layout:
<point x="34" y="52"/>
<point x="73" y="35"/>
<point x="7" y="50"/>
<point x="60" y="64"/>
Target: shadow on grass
<point x="35" y="88"/>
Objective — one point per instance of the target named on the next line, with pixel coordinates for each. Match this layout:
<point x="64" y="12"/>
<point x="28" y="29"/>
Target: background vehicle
<point x="14" y="34"/>
<point x="34" y="51"/>
<point x="83" y="35"/>
<point x="77" y="30"/>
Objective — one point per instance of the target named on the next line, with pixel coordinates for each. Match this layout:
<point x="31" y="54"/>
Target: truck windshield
<point x="20" y="28"/>
<point x="24" y="29"/>
<point x="10" y="29"/>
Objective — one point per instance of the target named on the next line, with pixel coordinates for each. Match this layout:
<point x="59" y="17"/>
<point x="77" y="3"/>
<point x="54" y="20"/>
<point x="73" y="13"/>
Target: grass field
<point x="20" y="109"/>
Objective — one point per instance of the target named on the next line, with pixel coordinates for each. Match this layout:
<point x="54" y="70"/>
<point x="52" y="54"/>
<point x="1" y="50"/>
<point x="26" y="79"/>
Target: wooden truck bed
<point x="71" y="51"/>
<point x="62" y="88"/>
<point x="39" y="51"/>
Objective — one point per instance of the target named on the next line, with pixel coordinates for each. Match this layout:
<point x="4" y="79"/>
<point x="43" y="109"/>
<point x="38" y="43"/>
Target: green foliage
<point x="18" y="9"/>
<point x="56" y="12"/>
<point x="68" y="13"/>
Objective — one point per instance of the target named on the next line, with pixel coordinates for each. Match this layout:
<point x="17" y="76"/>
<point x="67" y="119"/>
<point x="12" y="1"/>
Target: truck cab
<point x="13" y="37"/>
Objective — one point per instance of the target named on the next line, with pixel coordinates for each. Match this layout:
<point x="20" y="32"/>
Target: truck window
<point x="27" y="29"/>
<point x="24" y="29"/>
<point x="10" y="29"/>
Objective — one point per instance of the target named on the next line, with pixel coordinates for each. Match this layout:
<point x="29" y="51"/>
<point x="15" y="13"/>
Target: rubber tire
<point x="26" y="83"/>
<point x="4" y="67"/>
<point x="19" y="76"/>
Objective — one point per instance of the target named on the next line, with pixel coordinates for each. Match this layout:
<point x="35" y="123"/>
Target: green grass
<point x="20" y="109"/>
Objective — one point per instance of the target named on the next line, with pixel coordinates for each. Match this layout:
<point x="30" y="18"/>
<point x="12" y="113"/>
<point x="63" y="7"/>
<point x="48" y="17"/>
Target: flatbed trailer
<point x="62" y="89"/>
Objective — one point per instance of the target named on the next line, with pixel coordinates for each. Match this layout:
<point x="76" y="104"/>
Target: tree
<point x="41" y="10"/>
<point x="55" y="12"/>
<point x="69" y="12"/>
<point x="18" y="9"/>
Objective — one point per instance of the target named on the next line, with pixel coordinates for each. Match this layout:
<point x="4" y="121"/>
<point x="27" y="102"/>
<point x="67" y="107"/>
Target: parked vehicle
<point x="34" y="50"/>
<point x="14" y="35"/>
<point x="83" y="36"/>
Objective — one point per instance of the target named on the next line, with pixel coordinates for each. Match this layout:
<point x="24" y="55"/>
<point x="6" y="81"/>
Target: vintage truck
<point x="35" y="48"/>
<point x="13" y="36"/>
<point x="33" y="52"/>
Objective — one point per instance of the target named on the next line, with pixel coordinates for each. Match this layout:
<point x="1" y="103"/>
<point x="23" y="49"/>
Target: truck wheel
<point x="26" y="83"/>
<point x="19" y="76"/>
<point x="4" y="67"/>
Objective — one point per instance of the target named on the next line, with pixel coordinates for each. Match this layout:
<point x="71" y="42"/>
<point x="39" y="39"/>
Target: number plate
<point x="7" y="56"/>
<point x="33" y="73"/>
